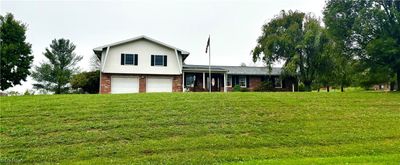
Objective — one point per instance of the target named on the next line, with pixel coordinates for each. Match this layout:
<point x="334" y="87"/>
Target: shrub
<point x="236" y="88"/>
<point x="302" y="88"/>
<point x="13" y="93"/>
<point x="264" y="86"/>
<point x="86" y="82"/>
<point x="28" y="92"/>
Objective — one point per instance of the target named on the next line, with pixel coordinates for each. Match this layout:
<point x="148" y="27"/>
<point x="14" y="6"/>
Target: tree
<point x="370" y="31"/>
<point x="326" y="72"/>
<point x="339" y="18"/>
<point x="55" y="74"/>
<point x="95" y="62"/>
<point x="297" y="39"/>
<point x="89" y="82"/>
<point x="15" y="53"/>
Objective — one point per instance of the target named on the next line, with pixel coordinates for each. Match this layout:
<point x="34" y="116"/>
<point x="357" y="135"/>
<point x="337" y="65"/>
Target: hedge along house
<point x="143" y="64"/>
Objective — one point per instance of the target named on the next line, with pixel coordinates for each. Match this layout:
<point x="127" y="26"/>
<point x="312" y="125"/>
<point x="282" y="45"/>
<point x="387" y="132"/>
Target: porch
<point x="197" y="79"/>
<point x="224" y="78"/>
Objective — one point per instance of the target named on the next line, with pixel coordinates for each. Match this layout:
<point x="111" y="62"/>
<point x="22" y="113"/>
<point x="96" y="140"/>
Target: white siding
<point x="144" y="49"/>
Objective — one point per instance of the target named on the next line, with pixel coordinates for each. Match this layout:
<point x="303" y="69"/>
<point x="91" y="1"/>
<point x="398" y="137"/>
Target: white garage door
<point x="157" y="84"/>
<point x="124" y="84"/>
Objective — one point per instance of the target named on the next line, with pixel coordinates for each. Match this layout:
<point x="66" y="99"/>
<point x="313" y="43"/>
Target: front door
<point x="216" y="82"/>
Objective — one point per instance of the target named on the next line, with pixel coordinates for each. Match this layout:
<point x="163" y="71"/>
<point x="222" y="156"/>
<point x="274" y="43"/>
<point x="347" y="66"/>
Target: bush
<point x="13" y="93"/>
<point x="236" y="88"/>
<point x="264" y="87"/>
<point x="302" y="88"/>
<point x="86" y="82"/>
<point x="29" y="92"/>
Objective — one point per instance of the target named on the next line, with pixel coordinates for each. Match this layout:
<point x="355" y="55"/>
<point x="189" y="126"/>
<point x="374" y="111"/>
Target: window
<point x="190" y="79"/>
<point x="158" y="60"/>
<point x="129" y="59"/>
<point x="277" y="82"/>
<point x="229" y="81"/>
<point x="242" y="81"/>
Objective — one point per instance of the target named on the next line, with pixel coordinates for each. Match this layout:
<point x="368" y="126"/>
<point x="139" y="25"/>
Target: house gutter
<point x="179" y="63"/>
<point x="102" y="67"/>
<point x="105" y="59"/>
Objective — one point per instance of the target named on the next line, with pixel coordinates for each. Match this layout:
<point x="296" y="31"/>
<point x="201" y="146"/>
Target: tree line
<point x="356" y="43"/>
<point x="58" y="74"/>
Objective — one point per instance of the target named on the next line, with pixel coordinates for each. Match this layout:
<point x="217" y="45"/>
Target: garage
<point x="159" y="84"/>
<point x="124" y="84"/>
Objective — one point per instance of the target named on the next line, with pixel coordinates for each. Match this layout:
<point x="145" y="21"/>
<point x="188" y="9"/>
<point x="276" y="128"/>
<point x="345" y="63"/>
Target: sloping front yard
<point x="202" y="128"/>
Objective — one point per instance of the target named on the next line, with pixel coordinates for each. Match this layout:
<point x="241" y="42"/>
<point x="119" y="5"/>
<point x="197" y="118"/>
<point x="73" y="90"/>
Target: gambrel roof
<point x="99" y="49"/>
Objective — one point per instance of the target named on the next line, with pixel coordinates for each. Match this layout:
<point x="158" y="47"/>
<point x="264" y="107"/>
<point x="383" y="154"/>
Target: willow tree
<point x="297" y="39"/>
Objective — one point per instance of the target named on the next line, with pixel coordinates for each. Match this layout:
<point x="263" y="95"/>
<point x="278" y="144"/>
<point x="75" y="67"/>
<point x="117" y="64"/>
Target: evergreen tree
<point x="55" y="74"/>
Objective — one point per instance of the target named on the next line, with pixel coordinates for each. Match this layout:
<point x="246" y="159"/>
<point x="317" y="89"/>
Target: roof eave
<point x="100" y="48"/>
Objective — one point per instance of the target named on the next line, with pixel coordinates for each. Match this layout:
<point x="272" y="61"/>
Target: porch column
<point x="225" y="83"/>
<point x="183" y="81"/>
<point x="204" y="80"/>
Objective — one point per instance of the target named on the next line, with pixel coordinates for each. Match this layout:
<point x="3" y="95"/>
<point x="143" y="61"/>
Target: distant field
<point x="202" y="128"/>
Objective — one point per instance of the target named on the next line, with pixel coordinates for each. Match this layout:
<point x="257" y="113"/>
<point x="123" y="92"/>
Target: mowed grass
<point x="202" y="128"/>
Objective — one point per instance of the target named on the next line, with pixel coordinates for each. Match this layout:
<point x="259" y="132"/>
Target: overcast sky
<point x="234" y="25"/>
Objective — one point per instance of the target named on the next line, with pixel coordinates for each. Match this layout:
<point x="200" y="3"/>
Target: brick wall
<point x="105" y="83"/>
<point x="142" y="83"/>
<point x="254" y="82"/>
<point x="177" y="83"/>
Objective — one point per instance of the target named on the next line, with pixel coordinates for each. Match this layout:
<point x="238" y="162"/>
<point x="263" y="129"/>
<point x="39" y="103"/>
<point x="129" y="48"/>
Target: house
<point x="143" y="64"/>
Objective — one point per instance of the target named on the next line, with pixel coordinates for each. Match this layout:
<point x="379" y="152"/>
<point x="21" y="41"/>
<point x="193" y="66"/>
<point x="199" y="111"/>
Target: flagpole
<point x="209" y="64"/>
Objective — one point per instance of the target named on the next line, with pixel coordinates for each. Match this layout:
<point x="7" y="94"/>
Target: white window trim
<point x="125" y="58"/>
<point x="245" y="82"/>
<point x="162" y="65"/>
<point x="194" y="80"/>
<point x="280" y="83"/>
<point x="227" y="80"/>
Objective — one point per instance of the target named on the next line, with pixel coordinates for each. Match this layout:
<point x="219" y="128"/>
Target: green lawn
<point x="202" y="128"/>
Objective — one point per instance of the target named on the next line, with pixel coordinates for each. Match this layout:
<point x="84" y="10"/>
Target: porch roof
<point x="202" y="68"/>
<point x="236" y="70"/>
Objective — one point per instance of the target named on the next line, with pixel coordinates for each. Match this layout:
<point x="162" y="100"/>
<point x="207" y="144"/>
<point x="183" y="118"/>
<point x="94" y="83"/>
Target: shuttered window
<point x="129" y="59"/>
<point x="159" y="60"/>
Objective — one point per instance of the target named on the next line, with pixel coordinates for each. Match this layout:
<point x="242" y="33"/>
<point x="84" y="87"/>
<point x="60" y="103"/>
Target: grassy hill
<point x="202" y="128"/>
